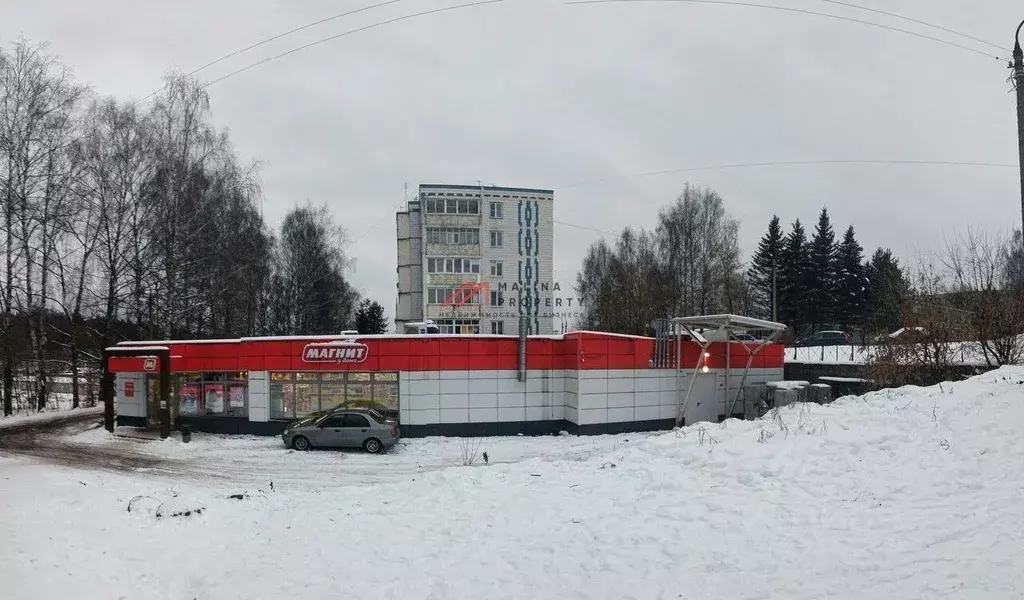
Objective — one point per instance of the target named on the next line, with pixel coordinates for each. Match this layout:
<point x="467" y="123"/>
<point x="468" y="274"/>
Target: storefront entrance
<point x="153" y="403"/>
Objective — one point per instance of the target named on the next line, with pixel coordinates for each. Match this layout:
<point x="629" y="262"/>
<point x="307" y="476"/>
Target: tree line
<point x="818" y="282"/>
<point x="691" y="264"/>
<point x="128" y="221"/>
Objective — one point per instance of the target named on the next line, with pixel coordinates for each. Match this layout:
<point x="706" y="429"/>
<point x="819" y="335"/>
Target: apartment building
<point x="477" y="259"/>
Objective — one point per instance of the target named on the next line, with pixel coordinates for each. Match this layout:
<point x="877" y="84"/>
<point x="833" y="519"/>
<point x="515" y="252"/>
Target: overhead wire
<point x="350" y="32"/>
<point x="798" y="11"/>
<point x="791" y="163"/>
<point x="916" y="21"/>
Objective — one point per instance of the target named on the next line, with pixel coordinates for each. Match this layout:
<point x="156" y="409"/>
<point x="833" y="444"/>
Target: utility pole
<point x="775" y="294"/>
<point x="1018" y="76"/>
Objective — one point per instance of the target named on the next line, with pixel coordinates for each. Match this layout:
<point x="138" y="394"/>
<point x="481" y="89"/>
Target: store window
<point x="458" y="326"/>
<point x="298" y="395"/>
<point x="211" y="394"/>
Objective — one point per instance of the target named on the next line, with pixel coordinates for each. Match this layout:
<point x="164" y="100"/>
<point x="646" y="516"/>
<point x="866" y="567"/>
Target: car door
<point x="331" y="432"/>
<point x="356" y="429"/>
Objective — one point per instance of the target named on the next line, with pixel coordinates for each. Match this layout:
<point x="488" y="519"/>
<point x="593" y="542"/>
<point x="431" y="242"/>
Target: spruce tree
<point x="888" y="291"/>
<point x="370" y="318"/>
<point x="792" y="279"/>
<point x="821" y="273"/>
<point x="852" y="285"/>
<point x="766" y="260"/>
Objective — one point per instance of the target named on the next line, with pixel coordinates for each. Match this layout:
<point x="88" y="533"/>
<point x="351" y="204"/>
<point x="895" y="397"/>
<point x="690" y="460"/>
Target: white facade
<point x="477" y="259"/>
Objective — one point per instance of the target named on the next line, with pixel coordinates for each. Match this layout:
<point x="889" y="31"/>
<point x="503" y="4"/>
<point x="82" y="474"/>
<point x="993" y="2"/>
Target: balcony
<point x="463" y="250"/>
<point x="451" y="220"/>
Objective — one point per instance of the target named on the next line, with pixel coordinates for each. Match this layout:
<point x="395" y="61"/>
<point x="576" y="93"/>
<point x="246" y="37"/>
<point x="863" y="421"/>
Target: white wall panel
<point x="620" y="415"/>
<point x="421" y="402"/>
<point x="511" y="414"/>
<point x="483" y="400"/>
<point x="454" y="386"/>
<point x="483" y="415"/>
<point x="646" y="413"/>
<point x="572" y="415"/>
<point x="454" y="415"/>
<point x="589" y="401"/>
<point x="259" y="396"/>
<point x="453" y="401"/>
<point x="510" y="400"/>
<point x="593" y="416"/>
<point x="424" y="417"/>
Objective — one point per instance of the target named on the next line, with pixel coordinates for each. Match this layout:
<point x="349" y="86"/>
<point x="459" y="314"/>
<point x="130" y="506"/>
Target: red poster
<point x="129" y="389"/>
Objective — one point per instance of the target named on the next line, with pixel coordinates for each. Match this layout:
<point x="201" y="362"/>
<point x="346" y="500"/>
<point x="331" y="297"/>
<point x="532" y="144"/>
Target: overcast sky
<point x="536" y="93"/>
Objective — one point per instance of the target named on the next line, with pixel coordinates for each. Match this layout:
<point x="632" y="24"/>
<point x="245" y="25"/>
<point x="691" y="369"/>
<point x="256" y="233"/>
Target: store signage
<point x="335" y="352"/>
<point x="129" y="389"/>
<point x="149" y="364"/>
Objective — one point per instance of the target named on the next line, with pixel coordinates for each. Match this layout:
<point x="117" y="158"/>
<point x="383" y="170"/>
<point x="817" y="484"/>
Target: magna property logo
<point x="545" y="300"/>
<point x="335" y="352"/>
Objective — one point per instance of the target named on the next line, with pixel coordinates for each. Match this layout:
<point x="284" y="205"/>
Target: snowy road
<point x="911" y="493"/>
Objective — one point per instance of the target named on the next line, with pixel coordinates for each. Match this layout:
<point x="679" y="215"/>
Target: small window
<point x="353" y="420"/>
<point x="498" y="327"/>
<point x="463" y="206"/>
<point x="474" y="207"/>
<point x="452" y="206"/>
<point x="496" y="268"/>
<point x="496" y="241"/>
<point x="497" y="210"/>
<point x="497" y="298"/>
<point x="334" y="421"/>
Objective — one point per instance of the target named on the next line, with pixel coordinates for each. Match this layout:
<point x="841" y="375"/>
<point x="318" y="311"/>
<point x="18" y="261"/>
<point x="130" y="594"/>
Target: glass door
<point x="153" y="402"/>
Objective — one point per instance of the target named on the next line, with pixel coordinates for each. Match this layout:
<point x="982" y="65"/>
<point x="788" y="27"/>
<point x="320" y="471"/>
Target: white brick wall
<point x="583" y="397"/>
<point x="259" y="396"/>
<point x="130" y="407"/>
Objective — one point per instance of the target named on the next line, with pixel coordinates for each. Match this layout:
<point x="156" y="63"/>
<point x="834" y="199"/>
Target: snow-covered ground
<point x="912" y="493"/>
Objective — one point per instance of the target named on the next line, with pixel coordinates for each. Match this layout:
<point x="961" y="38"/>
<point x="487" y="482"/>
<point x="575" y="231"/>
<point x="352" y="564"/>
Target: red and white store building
<point x="581" y="382"/>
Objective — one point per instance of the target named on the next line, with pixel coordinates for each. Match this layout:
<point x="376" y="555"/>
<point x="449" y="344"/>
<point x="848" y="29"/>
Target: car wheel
<point x="373" y="446"/>
<point x="300" y="443"/>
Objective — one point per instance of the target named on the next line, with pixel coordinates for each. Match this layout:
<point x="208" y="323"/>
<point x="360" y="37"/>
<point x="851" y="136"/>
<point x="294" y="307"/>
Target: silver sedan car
<point x="343" y="428"/>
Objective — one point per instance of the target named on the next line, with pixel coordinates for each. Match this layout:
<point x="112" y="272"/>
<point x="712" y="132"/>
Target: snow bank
<point x="910" y="493"/>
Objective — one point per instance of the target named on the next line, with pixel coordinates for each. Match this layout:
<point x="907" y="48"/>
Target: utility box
<point x="756" y="401"/>
<point x="820" y="393"/>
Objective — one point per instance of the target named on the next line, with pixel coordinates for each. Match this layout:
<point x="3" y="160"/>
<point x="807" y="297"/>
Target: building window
<point x="452" y="295"/>
<point x="496" y="268"/>
<point x="458" y="326"/>
<point x="452" y="206"/>
<point x="497" y="298"/>
<point x="209" y="394"/>
<point x="496" y="241"/>
<point x="453" y="265"/>
<point x="296" y="395"/>
<point x="497" y="210"/>
<point x="498" y="327"/>
<point x="456" y="236"/>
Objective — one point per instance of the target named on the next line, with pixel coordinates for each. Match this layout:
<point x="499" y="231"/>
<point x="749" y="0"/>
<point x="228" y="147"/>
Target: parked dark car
<point x="825" y="338"/>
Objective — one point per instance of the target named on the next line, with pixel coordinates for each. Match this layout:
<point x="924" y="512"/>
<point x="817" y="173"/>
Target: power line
<point x="585" y="228"/>
<point x="350" y="32"/>
<point x="804" y="12"/>
<point x="279" y="36"/>
<point x="912" y="20"/>
<point x="791" y="163"/>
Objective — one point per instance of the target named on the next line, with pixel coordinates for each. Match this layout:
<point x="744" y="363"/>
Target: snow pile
<point x="911" y="493"/>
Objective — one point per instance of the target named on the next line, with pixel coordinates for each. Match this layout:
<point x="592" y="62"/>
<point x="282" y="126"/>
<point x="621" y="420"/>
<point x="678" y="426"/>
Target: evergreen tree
<point x="792" y="278"/>
<point x="821" y="273"/>
<point x="763" y="266"/>
<point x="852" y="285"/>
<point x="370" y="317"/>
<point x="888" y="290"/>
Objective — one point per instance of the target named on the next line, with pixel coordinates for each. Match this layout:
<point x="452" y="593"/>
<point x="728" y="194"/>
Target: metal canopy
<point x="728" y="324"/>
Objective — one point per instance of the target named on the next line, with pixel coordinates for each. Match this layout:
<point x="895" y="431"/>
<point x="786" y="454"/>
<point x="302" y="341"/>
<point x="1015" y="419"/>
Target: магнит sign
<point x="335" y="352"/>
